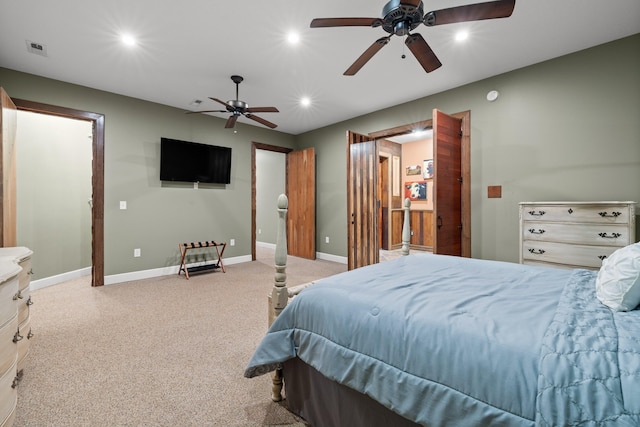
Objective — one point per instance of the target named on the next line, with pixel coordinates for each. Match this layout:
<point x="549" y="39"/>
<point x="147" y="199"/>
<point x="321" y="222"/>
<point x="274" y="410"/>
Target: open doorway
<point x="451" y="219"/>
<point x="97" y="176"/>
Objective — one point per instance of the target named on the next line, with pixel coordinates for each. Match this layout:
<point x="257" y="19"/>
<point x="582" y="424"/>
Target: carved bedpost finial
<point x="280" y="294"/>
<point x="406" y="228"/>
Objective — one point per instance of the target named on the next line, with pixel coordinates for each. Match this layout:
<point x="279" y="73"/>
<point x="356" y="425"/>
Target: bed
<point x="447" y="341"/>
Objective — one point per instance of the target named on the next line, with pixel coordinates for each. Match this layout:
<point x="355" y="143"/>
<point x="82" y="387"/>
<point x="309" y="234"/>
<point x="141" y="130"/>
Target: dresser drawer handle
<point x="538" y="213"/>
<point x="18" y="296"/>
<point x="29" y="301"/>
<point x="30" y="334"/>
<point x="602" y="257"/>
<point x="17" y="337"/>
<point x="611" y="215"/>
<point x="537" y="251"/>
<point x="15" y="382"/>
<point x="539" y="231"/>
<point x="606" y="236"/>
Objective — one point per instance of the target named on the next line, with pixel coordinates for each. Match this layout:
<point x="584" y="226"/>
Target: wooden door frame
<point x="260" y="146"/>
<point x="465" y="116"/>
<point x="97" y="180"/>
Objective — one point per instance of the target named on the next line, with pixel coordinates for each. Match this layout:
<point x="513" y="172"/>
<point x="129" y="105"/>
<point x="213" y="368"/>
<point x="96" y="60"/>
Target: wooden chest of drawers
<point x="574" y="234"/>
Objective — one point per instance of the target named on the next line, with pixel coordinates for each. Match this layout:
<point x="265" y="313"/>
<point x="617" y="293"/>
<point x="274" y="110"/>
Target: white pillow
<point x="618" y="282"/>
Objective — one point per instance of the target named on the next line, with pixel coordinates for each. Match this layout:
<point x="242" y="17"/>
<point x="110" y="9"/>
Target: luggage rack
<point x="185" y="247"/>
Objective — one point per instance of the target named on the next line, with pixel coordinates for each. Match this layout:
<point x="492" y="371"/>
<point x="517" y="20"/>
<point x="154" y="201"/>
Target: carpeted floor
<point x="157" y="352"/>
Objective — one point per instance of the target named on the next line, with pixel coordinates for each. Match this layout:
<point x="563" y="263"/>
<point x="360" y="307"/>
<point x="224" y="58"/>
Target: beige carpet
<point x="156" y="352"/>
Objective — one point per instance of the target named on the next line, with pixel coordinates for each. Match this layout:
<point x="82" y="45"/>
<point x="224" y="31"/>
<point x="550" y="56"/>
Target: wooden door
<point x="8" y="125"/>
<point x="362" y="224"/>
<point x="301" y="191"/>
<point x="447" y="184"/>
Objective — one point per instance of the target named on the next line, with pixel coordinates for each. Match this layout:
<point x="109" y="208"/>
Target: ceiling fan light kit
<point x="400" y="17"/>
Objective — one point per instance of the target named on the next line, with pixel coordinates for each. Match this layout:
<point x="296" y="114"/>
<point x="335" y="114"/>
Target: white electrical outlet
<point x="259" y="230"/>
<point x="326" y="239"/>
<point x="136" y="252"/>
<point x="123" y="204"/>
<point x="232" y="242"/>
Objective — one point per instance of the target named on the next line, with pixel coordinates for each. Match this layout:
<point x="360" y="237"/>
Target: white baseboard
<point x="155" y="272"/>
<point x="59" y="278"/>
<point x="334" y="258"/>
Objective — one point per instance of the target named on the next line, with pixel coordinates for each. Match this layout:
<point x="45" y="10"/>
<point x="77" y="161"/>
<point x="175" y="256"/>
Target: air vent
<point x="37" y="48"/>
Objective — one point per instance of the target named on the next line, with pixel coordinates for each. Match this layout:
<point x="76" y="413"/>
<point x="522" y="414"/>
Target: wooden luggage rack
<point x="185" y="247"/>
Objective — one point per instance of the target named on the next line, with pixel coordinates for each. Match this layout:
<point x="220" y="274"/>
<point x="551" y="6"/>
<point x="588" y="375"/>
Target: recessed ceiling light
<point x="305" y="101"/>
<point x="128" y="40"/>
<point x="293" y="37"/>
<point x="462" y="36"/>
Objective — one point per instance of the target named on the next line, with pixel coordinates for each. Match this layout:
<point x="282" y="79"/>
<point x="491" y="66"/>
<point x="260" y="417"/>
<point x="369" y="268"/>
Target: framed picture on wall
<point x="416" y="190"/>
<point x="427" y="170"/>
<point x="414" y="170"/>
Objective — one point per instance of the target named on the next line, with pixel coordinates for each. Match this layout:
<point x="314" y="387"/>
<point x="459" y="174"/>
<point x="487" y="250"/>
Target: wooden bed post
<point x="406" y="228"/>
<point x="279" y="294"/>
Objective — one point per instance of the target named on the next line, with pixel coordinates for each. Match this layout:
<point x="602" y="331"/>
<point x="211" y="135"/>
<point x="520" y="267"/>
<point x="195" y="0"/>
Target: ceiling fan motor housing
<point x="238" y="105"/>
<point x="400" y="19"/>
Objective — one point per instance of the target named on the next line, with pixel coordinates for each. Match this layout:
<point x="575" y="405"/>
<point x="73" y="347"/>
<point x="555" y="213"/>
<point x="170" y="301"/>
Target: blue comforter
<point x="447" y="340"/>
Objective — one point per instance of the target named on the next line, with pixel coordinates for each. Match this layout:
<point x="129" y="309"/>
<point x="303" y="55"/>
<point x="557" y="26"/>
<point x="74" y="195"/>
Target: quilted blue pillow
<point x="618" y="281"/>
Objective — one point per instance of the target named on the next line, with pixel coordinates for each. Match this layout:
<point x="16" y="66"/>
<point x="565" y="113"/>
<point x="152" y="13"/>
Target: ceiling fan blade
<point x="206" y="111"/>
<point x="471" y="12"/>
<point x="261" y="120"/>
<point x="262" y="110"/>
<point x="346" y="22"/>
<point x="231" y="121"/>
<point x="367" y="55"/>
<point x="423" y="53"/>
<point x="221" y="102"/>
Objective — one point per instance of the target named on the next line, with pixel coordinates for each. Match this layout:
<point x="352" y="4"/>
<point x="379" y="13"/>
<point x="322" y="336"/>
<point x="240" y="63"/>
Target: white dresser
<point x="574" y="234"/>
<point x="15" y="326"/>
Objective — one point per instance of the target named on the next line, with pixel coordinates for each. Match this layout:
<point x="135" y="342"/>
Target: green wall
<point x="159" y="215"/>
<point x="565" y="129"/>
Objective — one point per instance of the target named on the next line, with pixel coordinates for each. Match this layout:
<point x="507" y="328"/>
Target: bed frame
<point x="280" y="294"/>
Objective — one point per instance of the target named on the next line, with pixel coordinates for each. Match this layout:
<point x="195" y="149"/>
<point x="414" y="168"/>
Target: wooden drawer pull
<point x="17" y="337"/>
<point x="533" y="231"/>
<point x="612" y="215"/>
<point x="612" y="236"/>
<point x="538" y="213"/>
<point x="537" y="251"/>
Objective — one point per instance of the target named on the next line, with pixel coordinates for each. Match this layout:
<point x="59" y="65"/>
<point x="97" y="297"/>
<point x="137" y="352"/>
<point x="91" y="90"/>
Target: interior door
<point x="447" y="184"/>
<point x="301" y="191"/>
<point x="8" y="124"/>
<point x="362" y="224"/>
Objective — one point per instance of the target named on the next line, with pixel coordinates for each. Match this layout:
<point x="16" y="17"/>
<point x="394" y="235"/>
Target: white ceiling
<point x="188" y="50"/>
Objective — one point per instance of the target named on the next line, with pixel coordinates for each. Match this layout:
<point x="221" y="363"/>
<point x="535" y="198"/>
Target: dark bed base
<point x="322" y="402"/>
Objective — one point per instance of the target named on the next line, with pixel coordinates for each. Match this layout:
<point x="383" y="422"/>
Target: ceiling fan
<point x="400" y="17"/>
<point x="238" y="108"/>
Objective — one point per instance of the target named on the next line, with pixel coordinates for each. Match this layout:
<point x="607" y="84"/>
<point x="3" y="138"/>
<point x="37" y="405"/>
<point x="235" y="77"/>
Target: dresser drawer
<point x="8" y="394"/>
<point x="24" y="302"/>
<point x="24" y="343"/>
<point x="601" y="213"/>
<point x="566" y="253"/>
<point x="585" y="234"/>
<point x="8" y="348"/>
<point x="8" y="299"/>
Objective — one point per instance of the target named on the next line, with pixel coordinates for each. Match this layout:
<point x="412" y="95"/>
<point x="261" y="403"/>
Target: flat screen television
<point x="194" y="162"/>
